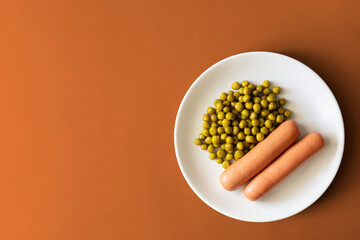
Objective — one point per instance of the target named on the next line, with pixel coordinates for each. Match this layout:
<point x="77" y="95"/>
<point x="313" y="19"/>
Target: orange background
<point x="89" y="91"/>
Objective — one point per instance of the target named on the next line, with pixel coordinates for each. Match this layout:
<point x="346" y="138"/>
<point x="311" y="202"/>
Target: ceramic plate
<point x="314" y="108"/>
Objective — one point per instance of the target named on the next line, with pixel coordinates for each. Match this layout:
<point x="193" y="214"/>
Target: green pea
<point x="276" y="90"/>
<point x="219" y="161"/>
<point x="229" y="140"/>
<point x="257" y="100"/>
<point x="226" y="122"/>
<point x="265" y="112"/>
<point x="251" y="86"/>
<point x="198" y="141"/>
<point x="238" y="154"/>
<point x="241" y="136"/>
<point x="220" y="130"/>
<point x="246" y="144"/>
<point x="213" y="131"/>
<point x="235" y="85"/>
<point x="247" y="91"/>
<point x="266" y="84"/>
<point x="205" y="132"/>
<point x="251" y="146"/>
<point x="229" y="116"/>
<point x="206" y="118"/>
<point x="214" y="124"/>
<point x="275" y="113"/>
<point x="241" y="99"/>
<point x="247" y="131"/>
<point x="222" y="146"/>
<point x="255" y="123"/>
<point x="246" y="98"/>
<point x="264" y="130"/>
<point x="206" y="125"/>
<point x="263" y="97"/>
<point x="229" y="147"/>
<point x="231" y="97"/>
<point x="201" y="136"/>
<point x="242" y="124"/>
<point x="282" y="101"/>
<point x="272" y="106"/>
<point x="230" y="92"/>
<point x="257" y="107"/>
<point x="253" y="115"/>
<point x="255" y="93"/>
<point x="229" y="156"/>
<point x="221" y="115"/>
<point x="281" y="110"/>
<point x="220" y="153"/>
<point x="216" y="145"/>
<point x="249" y="105"/>
<point x="254" y="130"/>
<point x="272" y="129"/>
<point x="264" y="103"/>
<point x="226" y="109"/>
<point x="225" y="164"/>
<point x="244" y="83"/>
<point x="212" y="156"/>
<point x="219" y="106"/>
<point x="271" y="117"/>
<point x="236" y="130"/>
<point x="236" y="95"/>
<point x="261" y="122"/>
<point x="260" y="136"/>
<point x="208" y="140"/>
<point x="273" y="95"/>
<point x="240" y="145"/>
<point x="268" y="124"/>
<point x="226" y="103"/>
<point x="266" y="91"/>
<point x="217" y="101"/>
<point x="239" y="107"/>
<point x="287" y="114"/>
<point x="219" y="122"/>
<point x="236" y="140"/>
<point x="223" y="136"/>
<point x="210" y="110"/>
<point x="279" y="118"/>
<point x="211" y="148"/>
<point x="215" y="139"/>
<point x="250" y="139"/>
<point x="213" y="117"/>
<point x="228" y="130"/>
<point x="245" y="113"/>
<point x="270" y="99"/>
<point x="241" y="90"/>
<point x="223" y="96"/>
<point x="204" y="146"/>
<point x="260" y="88"/>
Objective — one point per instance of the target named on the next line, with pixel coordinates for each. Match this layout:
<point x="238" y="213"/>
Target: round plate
<point x="314" y="108"/>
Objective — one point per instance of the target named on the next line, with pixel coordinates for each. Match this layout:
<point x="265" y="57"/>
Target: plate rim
<point x="176" y="129"/>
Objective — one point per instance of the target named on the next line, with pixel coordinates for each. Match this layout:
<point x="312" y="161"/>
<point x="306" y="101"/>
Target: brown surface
<point x="89" y="94"/>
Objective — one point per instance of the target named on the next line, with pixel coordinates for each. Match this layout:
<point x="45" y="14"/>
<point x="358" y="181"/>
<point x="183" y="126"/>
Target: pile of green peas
<point x="240" y="119"/>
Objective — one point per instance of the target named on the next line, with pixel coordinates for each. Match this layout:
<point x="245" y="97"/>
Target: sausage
<point x="284" y="166"/>
<point x="260" y="156"/>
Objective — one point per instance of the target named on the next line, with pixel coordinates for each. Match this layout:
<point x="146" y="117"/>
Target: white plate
<point x="315" y="109"/>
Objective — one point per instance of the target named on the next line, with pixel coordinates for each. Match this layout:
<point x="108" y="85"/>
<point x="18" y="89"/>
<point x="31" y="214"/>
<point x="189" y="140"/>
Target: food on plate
<point x="260" y="156"/>
<point x="283" y="166"/>
<point x="240" y="119"/>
